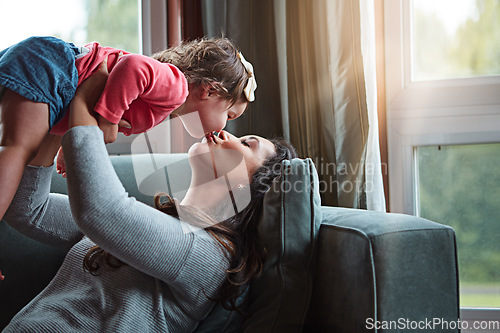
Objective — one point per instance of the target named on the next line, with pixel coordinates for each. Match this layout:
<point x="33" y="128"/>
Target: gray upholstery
<point x="367" y="264"/>
<point x="386" y="267"/>
<point x="288" y="233"/>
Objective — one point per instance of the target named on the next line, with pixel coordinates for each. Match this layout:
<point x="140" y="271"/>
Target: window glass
<point x="459" y="185"/>
<point x="455" y="38"/>
<point x="111" y="23"/>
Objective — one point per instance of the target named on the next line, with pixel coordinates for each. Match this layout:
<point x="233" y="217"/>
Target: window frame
<point x="421" y="113"/>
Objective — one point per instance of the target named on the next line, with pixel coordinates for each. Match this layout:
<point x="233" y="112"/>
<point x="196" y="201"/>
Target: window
<point x="443" y="106"/>
<point x="456" y="43"/>
<point x="458" y="185"/>
<point x="22" y="19"/>
<point x="112" y="23"/>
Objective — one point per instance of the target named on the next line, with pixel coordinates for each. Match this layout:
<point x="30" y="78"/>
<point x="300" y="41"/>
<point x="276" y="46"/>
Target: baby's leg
<point x="24" y="125"/>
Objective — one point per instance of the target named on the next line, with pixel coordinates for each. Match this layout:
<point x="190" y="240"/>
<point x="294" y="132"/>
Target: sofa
<point x="326" y="269"/>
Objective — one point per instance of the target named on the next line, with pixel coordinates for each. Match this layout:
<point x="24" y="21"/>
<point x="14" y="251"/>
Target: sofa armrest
<point x="375" y="268"/>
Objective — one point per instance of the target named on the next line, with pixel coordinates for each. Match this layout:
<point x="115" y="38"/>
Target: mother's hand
<point x="87" y="94"/>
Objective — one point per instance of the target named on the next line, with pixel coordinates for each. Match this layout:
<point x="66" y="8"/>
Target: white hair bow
<point x="252" y="83"/>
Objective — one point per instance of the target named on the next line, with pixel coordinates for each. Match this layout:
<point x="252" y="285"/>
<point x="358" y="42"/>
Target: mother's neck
<point x="205" y="195"/>
<point x="215" y="197"/>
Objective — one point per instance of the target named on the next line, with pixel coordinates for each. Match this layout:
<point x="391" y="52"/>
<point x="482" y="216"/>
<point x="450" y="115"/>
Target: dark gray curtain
<point x="311" y="87"/>
<point x="251" y="25"/>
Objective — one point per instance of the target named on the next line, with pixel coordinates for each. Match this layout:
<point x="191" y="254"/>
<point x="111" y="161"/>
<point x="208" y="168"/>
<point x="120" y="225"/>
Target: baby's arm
<point x="109" y="130"/>
<point x="117" y="96"/>
<point x="137" y="76"/>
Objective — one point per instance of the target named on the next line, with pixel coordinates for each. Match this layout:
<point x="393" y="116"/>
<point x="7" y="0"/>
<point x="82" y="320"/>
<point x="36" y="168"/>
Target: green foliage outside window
<point x="460" y="186"/>
<point x="474" y="49"/>
<point x="114" y="23"/>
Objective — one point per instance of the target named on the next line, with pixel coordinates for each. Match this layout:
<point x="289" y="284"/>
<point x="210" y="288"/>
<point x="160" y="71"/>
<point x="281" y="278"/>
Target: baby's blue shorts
<point x="42" y="69"/>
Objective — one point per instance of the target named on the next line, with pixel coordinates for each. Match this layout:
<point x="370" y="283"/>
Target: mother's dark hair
<point x="237" y="235"/>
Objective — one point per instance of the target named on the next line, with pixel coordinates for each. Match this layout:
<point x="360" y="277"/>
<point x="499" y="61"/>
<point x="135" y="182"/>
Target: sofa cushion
<point x="144" y="175"/>
<point x="288" y="230"/>
<point x="382" y="267"/>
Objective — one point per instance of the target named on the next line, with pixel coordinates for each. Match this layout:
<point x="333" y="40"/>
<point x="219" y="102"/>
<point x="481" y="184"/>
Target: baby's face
<point x="210" y="113"/>
<point x="215" y="113"/>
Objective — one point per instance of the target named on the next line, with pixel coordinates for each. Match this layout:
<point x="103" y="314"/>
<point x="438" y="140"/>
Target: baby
<point x="39" y="76"/>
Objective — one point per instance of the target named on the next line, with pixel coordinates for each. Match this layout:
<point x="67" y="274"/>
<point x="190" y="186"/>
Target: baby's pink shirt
<point x="139" y="89"/>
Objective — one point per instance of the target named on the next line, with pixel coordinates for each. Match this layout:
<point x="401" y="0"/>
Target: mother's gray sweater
<point x="168" y="273"/>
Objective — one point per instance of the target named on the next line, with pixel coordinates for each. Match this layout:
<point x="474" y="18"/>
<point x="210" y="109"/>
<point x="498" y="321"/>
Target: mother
<point x="141" y="271"/>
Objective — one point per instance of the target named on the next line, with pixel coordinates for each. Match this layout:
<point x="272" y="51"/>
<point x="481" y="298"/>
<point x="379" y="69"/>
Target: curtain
<point x="315" y="67"/>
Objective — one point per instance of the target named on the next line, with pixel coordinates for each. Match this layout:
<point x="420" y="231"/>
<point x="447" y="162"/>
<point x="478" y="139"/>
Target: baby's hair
<point x="210" y="61"/>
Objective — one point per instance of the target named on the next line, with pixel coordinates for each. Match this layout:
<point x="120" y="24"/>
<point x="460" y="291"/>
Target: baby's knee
<point x="25" y="150"/>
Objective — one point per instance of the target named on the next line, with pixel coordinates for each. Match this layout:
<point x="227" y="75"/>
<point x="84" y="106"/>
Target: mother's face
<point x="226" y="154"/>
